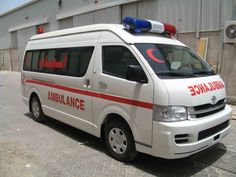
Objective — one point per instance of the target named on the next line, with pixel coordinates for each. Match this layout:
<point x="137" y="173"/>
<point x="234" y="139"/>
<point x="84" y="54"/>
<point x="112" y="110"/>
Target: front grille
<point x="207" y="106"/>
<point x="206" y="109"/>
<point x="210" y="112"/>
<point x="211" y="131"/>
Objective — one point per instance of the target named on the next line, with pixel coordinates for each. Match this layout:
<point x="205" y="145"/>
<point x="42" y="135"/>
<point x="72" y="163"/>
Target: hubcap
<point x="117" y="141"/>
<point x="35" y="108"/>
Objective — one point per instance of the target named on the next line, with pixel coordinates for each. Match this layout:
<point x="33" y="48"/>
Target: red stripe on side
<point x="95" y="94"/>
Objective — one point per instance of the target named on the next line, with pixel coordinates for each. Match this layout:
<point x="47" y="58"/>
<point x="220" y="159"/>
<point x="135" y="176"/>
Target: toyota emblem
<point x="213" y="100"/>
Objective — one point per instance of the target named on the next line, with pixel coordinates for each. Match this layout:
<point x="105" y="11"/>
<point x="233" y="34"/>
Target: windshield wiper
<point x="204" y="72"/>
<point x="175" y="74"/>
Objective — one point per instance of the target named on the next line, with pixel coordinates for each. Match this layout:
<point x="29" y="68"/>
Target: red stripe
<point x="95" y="94"/>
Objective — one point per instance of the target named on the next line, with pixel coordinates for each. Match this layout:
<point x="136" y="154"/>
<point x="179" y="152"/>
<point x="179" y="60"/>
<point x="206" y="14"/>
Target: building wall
<point x="228" y="71"/>
<point x="9" y="59"/>
<point x="108" y="15"/>
<point x="184" y="13"/>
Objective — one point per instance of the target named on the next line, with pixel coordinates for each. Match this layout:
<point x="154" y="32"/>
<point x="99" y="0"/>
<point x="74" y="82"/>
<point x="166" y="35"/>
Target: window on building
<point x="116" y="60"/>
<point x="65" y="23"/>
<point x="14" y="39"/>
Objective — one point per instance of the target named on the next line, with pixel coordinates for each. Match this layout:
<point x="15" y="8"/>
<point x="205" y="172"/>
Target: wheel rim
<point x="117" y="141"/>
<point x="35" y="108"/>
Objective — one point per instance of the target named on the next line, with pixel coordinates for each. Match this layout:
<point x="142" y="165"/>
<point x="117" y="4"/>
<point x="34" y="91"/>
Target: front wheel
<point x="36" y="109"/>
<point x="119" y="141"/>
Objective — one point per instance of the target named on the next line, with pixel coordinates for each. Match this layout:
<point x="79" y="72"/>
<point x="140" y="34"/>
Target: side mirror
<point x="136" y="73"/>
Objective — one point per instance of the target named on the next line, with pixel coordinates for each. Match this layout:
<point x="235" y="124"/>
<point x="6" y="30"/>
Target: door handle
<point x="87" y="83"/>
<point x="102" y="85"/>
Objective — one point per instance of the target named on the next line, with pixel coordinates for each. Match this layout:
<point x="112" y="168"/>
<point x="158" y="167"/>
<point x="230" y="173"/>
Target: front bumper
<point x="166" y="146"/>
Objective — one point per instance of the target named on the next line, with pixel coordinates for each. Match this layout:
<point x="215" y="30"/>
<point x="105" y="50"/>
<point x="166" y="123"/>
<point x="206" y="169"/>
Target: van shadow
<point x="184" y="167"/>
<point x="78" y="135"/>
<point x="149" y="164"/>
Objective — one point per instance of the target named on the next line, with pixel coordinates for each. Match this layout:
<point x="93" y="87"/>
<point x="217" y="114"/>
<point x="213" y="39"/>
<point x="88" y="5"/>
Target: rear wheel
<point x="119" y="141"/>
<point x="36" y="109"/>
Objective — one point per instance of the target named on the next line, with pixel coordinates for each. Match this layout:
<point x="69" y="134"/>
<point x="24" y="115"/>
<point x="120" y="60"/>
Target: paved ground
<point x="54" y="149"/>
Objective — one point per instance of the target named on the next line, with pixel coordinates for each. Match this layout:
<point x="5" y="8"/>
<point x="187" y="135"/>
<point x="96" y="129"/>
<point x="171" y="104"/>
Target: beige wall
<point x="229" y="71"/>
<point x="9" y="60"/>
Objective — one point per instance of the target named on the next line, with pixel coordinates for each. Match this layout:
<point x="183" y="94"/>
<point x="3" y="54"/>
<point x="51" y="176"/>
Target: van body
<point x="140" y="92"/>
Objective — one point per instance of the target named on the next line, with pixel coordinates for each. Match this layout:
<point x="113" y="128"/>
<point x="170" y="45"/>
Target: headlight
<point x="170" y="113"/>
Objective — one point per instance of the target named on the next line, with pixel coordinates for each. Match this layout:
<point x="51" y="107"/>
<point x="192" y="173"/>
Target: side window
<point x="62" y="61"/>
<point x="116" y="60"/>
<point x="79" y="60"/>
<point x="49" y="61"/>
<point x="85" y="56"/>
<point x="27" y="61"/>
<point x="73" y="65"/>
<point x="35" y="60"/>
<point x="41" y="61"/>
<point x="65" y="61"/>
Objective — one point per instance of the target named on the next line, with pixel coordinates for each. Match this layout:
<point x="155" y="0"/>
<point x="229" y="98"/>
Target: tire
<point x="36" y="109"/>
<point x="119" y="141"/>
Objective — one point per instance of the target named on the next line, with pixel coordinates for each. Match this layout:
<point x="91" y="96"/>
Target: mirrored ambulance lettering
<point x="205" y="87"/>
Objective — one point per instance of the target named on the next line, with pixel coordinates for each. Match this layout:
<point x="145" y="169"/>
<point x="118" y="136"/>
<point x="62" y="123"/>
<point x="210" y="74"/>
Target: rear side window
<point x="62" y="61"/>
<point x="85" y="56"/>
<point x="27" y="61"/>
<point x="41" y="61"/>
<point x="116" y="60"/>
<point x="50" y="61"/>
<point x="73" y="65"/>
<point x="65" y="61"/>
<point x="35" y="61"/>
<point x="79" y="60"/>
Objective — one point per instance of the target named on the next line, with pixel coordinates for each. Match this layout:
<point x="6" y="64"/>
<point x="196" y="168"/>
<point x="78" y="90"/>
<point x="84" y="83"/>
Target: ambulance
<point x="133" y="85"/>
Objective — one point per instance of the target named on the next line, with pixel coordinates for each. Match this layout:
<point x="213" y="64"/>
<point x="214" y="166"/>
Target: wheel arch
<point x="113" y="117"/>
<point x="33" y="93"/>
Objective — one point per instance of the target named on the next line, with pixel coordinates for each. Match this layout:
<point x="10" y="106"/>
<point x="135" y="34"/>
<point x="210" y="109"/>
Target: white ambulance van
<point x="132" y="85"/>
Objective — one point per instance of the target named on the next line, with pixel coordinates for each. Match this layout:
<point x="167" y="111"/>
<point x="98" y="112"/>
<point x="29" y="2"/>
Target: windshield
<point x="170" y="61"/>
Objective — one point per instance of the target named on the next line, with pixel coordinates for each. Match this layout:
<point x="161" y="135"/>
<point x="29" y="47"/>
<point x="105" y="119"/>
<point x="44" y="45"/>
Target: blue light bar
<point x="143" y="25"/>
<point x="137" y="25"/>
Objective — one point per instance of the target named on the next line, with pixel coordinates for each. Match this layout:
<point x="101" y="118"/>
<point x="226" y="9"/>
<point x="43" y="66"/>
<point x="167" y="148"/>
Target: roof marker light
<point x="170" y="29"/>
<point x="143" y="25"/>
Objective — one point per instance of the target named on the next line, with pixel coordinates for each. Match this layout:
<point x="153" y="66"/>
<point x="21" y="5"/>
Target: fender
<point x="34" y="90"/>
<point x="113" y="109"/>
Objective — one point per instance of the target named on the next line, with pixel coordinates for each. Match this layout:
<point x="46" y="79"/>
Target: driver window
<point x="116" y="59"/>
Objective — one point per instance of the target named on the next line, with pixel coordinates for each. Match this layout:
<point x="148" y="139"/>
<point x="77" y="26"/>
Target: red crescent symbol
<point x="150" y="54"/>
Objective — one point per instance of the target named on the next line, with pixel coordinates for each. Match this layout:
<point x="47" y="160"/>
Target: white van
<point x="132" y="85"/>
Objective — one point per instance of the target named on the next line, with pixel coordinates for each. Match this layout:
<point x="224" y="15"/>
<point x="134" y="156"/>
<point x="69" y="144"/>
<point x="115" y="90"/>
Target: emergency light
<point x="143" y="25"/>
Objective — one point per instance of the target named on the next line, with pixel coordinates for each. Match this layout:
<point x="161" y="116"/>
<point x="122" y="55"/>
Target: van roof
<point x="116" y="29"/>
